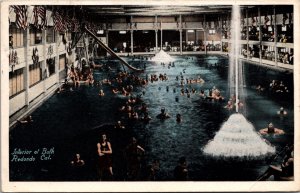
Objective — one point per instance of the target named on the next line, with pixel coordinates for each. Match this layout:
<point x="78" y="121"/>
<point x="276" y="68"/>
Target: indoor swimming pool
<point x="73" y="120"/>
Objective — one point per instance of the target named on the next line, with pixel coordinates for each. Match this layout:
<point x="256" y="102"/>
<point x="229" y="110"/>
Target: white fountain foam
<point x="238" y="138"/>
<point x="162" y="56"/>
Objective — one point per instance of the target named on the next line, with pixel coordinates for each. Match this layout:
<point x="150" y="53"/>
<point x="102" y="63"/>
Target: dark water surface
<point x="72" y="122"/>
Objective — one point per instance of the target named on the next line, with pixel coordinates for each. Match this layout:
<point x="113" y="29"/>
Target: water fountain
<point x="162" y="56"/>
<point x="237" y="136"/>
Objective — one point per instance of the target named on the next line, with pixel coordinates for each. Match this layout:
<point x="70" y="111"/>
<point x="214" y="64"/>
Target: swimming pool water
<point x="72" y="122"/>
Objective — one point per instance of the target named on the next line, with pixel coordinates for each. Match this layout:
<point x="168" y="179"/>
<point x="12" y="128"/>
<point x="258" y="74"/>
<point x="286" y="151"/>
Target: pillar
<point x="156" y="38"/>
<point x="205" y="49"/>
<point x="26" y="68"/>
<point x="247" y="34"/>
<point x="260" y="36"/>
<point x="180" y="33"/>
<point x="156" y="41"/>
<point x="107" y="54"/>
<point x="131" y="41"/>
<point x="131" y="35"/>
<point x="43" y="63"/>
<point x="186" y="37"/>
<point x="275" y="35"/>
<point x="57" y="56"/>
<point x="161" y="36"/>
<point x="196" y="37"/>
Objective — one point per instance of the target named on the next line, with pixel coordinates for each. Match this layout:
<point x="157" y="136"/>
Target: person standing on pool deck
<point x="104" y="152"/>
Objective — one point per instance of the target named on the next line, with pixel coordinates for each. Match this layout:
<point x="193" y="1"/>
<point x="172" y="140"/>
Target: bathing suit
<point x="105" y="160"/>
<point x="271" y="130"/>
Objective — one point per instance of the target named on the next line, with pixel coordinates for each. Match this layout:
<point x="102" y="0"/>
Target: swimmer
<point x="101" y="93"/>
<point x="77" y="161"/>
<point x="163" y="115"/>
<point x="146" y="118"/>
<point x="115" y="90"/>
<point x="26" y="120"/>
<point x="119" y="125"/>
<point x="229" y="105"/>
<point x="271" y="130"/>
<point x="202" y="94"/>
<point x="282" y="111"/>
<point x="178" y="118"/>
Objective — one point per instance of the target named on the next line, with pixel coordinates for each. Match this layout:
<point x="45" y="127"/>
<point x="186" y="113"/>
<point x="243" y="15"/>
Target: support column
<point x="156" y="41"/>
<point x="43" y="63"/>
<point x="186" y="36"/>
<point x="275" y="36"/>
<point x="260" y="36"/>
<point x="161" y="36"/>
<point x="26" y="68"/>
<point x="180" y="33"/>
<point x="196" y="37"/>
<point x="107" y="54"/>
<point x="131" y="41"/>
<point x="131" y="36"/>
<point x="247" y="34"/>
<point x="156" y="38"/>
<point x="204" y="18"/>
<point x="57" y="57"/>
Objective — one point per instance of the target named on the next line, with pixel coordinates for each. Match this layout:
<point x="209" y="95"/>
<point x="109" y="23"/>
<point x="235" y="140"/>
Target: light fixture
<point x="145" y="31"/>
<point x="122" y="32"/>
<point x="100" y="31"/>
<point x="190" y="31"/>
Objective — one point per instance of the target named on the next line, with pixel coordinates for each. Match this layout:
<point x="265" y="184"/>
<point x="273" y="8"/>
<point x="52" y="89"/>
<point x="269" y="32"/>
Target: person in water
<point x="104" y="151"/>
<point x="77" y="172"/>
<point x="146" y="118"/>
<point x="271" y="128"/>
<point x="77" y="161"/>
<point x="163" y="115"/>
<point x="134" y="154"/>
<point x="101" y="93"/>
<point x="178" y="118"/>
<point x="282" y="111"/>
<point x="27" y="120"/>
<point x="119" y="125"/>
<point x="283" y="172"/>
<point x="181" y="171"/>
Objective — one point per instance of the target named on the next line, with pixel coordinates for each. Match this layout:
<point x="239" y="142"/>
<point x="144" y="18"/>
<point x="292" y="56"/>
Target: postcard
<point x="149" y="96"/>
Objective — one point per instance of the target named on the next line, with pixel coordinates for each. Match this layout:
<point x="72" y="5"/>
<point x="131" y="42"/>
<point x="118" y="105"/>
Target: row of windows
<point x="16" y="78"/>
<point x="17" y="36"/>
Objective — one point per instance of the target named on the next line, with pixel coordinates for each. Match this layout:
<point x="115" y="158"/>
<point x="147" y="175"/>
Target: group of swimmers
<point x="123" y="84"/>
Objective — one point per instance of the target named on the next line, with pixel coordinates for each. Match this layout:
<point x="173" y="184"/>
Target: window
<point x="35" y="35"/>
<point x="35" y="73"/>
<point x="211" y="32"/>
<point x="50" y="35"/>
<point x="16" y="37"/>
<point x="62" y="61"/>
<point x="51" y="66"/>
<point x="16" y="82"/>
